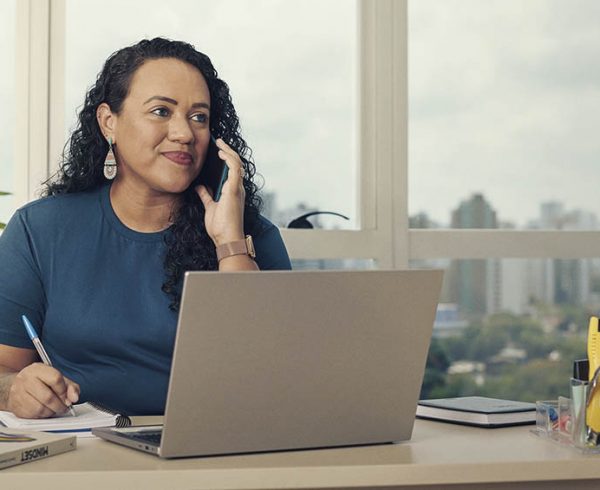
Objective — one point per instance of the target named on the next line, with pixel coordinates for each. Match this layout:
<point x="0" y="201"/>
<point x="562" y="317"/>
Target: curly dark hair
<point x="188" y="245"/>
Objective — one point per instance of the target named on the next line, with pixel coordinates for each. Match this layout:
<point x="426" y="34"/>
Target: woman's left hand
<point x="224" y="220"/>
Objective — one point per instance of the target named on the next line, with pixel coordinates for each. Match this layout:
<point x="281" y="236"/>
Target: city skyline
<point x="552" y="214"/>
<point x="481" y="287"/>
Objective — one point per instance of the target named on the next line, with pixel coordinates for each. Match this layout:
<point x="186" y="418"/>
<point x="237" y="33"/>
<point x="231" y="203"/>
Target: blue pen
<point x="39" y="347"/>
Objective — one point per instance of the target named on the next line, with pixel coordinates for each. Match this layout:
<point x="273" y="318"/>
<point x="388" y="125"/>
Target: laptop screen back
<point x="282" y="360"/>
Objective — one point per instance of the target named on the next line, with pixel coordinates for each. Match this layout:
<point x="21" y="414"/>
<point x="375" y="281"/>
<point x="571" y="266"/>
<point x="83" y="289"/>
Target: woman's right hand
<point x="224" y="220"/>
<point x="40" y="391"/>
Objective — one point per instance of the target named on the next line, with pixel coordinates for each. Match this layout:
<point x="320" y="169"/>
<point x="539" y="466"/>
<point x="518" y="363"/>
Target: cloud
<point x="504" y="99"/>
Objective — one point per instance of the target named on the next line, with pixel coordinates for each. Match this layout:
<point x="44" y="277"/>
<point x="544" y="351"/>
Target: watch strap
<point x="238" y="247"/>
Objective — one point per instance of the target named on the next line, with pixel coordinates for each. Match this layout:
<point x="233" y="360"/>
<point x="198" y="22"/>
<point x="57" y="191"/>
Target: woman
<point x="97" y="264"/>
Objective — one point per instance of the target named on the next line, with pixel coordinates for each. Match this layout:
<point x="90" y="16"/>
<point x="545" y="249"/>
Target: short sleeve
<point x="21" y="286"/>
<point x="271" y="253"/>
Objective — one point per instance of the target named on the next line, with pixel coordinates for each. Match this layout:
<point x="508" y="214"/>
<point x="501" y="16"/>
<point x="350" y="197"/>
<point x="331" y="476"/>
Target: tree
<point x="536" y="380"/>
<point x="435" y="370"/>
<point x="456" y="385"/>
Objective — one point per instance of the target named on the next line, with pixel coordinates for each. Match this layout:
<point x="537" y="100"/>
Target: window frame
<point x="382" y="186"/>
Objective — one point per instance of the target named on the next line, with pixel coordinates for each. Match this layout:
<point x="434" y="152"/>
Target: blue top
<point x="92" y="289"/>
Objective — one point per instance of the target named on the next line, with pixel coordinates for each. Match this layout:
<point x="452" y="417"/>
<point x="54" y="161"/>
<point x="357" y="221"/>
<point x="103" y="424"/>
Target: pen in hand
<point x="39" y="348"/>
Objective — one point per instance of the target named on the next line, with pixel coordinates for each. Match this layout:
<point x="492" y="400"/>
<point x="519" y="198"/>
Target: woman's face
<point x="162" y="132"/>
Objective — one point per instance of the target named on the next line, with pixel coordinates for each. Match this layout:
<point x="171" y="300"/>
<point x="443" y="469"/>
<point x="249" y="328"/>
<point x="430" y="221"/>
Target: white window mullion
<point x="22" y="63"/>
<point x="481" y="244"/>
<point x="399" y="136"/>
<point x="378" y="89"/>
<point x="57" y="84"/>
<point x="32" y="98"/>
<point x="331" y="244"/>
<point x="367" y="168"/>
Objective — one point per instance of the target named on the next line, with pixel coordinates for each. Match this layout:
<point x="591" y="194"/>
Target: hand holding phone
<point x="223" y="220"/>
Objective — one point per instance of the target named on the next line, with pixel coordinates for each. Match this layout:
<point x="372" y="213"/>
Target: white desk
<point x="439" y="456"/>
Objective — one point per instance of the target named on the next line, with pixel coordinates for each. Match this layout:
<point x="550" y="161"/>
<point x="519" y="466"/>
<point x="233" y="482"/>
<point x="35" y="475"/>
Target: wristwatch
<point x="239" y="247"/>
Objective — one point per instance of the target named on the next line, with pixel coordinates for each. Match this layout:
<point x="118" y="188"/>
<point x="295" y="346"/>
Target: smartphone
<point x="214" y="171"/>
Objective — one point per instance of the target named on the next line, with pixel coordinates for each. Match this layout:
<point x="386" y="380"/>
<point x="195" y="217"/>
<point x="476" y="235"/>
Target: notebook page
<point x="86" y="417"/>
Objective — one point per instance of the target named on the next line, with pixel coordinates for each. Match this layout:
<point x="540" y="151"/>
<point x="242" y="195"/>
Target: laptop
<point x="280" y="360"/>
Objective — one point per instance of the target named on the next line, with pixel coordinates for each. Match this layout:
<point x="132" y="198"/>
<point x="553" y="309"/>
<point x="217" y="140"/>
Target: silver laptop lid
<point x="284" y="360"/>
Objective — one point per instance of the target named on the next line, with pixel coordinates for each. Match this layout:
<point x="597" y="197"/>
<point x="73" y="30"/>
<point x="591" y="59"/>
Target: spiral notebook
<point x="87" y="416"/>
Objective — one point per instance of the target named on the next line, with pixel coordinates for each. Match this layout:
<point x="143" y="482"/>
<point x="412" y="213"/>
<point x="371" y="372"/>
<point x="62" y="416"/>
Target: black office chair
<point x="302" y="221"/>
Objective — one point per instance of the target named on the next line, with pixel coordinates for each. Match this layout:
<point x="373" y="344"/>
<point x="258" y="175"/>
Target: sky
<point x="504" y="100"/>
<point x="504" y="95"/>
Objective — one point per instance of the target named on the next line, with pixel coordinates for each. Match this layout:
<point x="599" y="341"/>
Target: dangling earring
<point x="110" y="163"/>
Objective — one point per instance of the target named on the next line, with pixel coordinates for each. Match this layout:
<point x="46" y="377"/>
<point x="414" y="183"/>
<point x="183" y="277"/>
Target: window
<point x="489" y="91"/>
<point x="7" y="87"/>
<point x="293" y="77"/>
<point x="503" y="321"/>
<point x="502" y="106"/>
<point x="355" y="73"/>
<point x="503" y="111"/>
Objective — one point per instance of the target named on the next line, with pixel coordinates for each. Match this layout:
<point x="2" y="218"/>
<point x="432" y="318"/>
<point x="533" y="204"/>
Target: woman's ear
<point x="106" y="120"/>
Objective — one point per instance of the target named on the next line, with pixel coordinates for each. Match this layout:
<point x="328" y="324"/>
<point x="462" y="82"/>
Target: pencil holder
<point x="573" y="421"/>
<point x="563" y="421"/>
<point x="546" y="417"/>
<point x="554" y="419"/>
<point x="579" y="393"/>
<point x="590" y="412"/>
